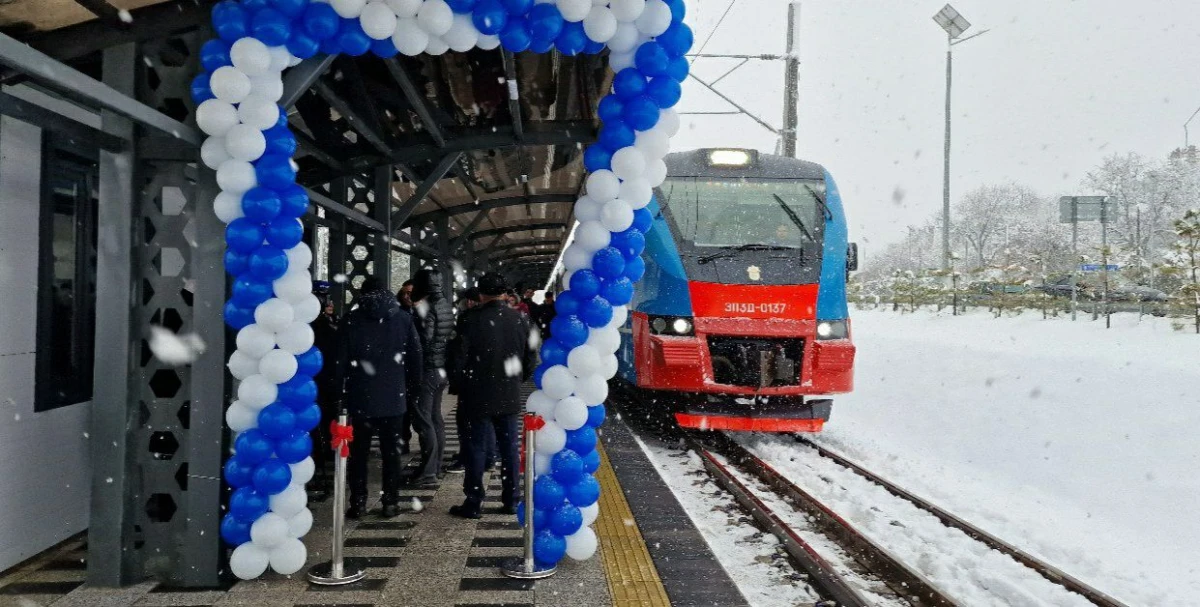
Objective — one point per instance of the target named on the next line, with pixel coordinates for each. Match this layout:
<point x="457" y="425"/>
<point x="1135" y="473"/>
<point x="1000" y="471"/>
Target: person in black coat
<point x="495" y="357"/>
<point x="469" y="300"/>
<point x="435" y="324"/>
<point x="381" y="360"/>
<point x="329" y="393"/>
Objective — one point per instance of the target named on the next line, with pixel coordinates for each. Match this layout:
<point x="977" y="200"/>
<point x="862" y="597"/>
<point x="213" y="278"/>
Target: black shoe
<point x="356" y="511"/>
<point x="463" y="512"/>
<point x="390" y="511"/>
<point x="456" y="468"/>
<point x="428" y="482"/>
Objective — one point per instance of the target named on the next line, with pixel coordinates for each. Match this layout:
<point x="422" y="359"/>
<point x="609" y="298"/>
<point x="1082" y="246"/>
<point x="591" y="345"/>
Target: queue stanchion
<point x="333" y="572"/>
<point x="525" y="568"/>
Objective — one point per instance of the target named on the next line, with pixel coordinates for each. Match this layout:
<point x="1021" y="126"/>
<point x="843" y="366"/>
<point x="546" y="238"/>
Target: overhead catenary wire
<point x="717" y="26"/>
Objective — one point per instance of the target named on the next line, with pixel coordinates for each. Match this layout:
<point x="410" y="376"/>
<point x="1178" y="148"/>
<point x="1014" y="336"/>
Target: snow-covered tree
<point x="1186" y="261"/>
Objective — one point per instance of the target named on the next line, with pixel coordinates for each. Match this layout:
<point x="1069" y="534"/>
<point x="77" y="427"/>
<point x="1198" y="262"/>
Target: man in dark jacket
<point x="435" y="324"/>
<point x="329" y="393"/>
<point x="382" y="361"/>
<point x="495" y="341"/>
<point x="404" y="296"/>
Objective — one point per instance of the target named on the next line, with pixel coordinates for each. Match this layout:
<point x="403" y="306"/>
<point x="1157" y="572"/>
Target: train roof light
<point x="730" y="158"/>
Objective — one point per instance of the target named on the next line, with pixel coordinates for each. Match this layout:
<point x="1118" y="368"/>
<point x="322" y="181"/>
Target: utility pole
<point x="791" y="87"/>
<point x="946" y="161"/>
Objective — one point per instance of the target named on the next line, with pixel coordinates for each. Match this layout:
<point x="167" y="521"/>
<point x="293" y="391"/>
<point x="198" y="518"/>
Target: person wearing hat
<point x="468" y="301"/>
<point x="325" y="338"/>
<point x="434" y="318"/>
<point x="494" y="358"/>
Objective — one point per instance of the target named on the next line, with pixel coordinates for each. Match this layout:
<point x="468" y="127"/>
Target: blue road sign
<point x="1095" y="267"/>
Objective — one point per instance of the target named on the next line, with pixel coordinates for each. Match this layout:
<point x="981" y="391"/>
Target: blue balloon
<point x="642" y="220"/>
<point x="461" y="6"/>
<point x="597" y="158"/>
<point x="679" y="69"/>
<point x="255" y="5"/>
<point x="593" y="48"/>
<point x="635" y="269"/>
<point x="200" y="89"/>
<point x="230" y="21"/>
<point x="642" y="112"/>
<point x="539" y="516"/>
<point x="280" y="140"/>
<point x="628" y="84"/>
<point x="591" y="461"/>
<point x="567" y="467"/>
<point x="237" y="317"/>
<point x="608" y="263"/>
<point x="276" y="421"/>
<point x="567" y="303"/>
<point x="293" y="201"/>
<point x="518" y="7"/>
<point x="384" y="48"/>
<point x="548" y="548"/>
<point x="677" y="40"/>
<point x="353" y="40"/>
<point x="610" y="109"/>
<point x="665" y="91"/>
<point x="298" y="392"/>
<point x="290" y="8"/>
<point x="596" y="312"/>
<point x="215" y="54"/>
<point x="553" y="353"/>
<point x="272" y="476"/>
<point x="260" y="205"/>
<point x="283" y="117"/>
<point x="547" y="492"/>
<point x="285" y="233"/>
<point x="586" y="491"/>
<point x="275" y="171"/>
<point x="271" y="26"/>
<point x="309" y="418"/>
<point x="652" y="59"/>
<point x="541" y="46"/>
<point x="268" y="263"/>
<point x="249" y="291"/>
<point x="253" y="447"/>
<point x="572" y="39"/>
<point x="321" y="21"/>
<point x="311" y="362"/>
<point x="302" y="45"/>
<point x="238" y="473"/>
<point x="615" y="135"/>
<point x="233" y="531"/>
<point x="569" y="330"/>
<point x="489" y="17"/>
<point x="585" y="284"/>
<point x="516" y="36"/>
<point x="581" y="441"/>
<point x="678" y="10"/>
<point x="565" y="520"/>
<point x="331" y="45"/>
<point x="596" y="415"/>
<point x="630" y="243"/>
<point x="618" y="292"/>
<point x="295" y="448"/>
<point x="545" y="22"/>
<point x="247" y="505"/>
<point x="538" y="372"/>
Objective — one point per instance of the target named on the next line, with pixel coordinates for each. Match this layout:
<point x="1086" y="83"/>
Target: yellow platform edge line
<point x="632" y="577"/>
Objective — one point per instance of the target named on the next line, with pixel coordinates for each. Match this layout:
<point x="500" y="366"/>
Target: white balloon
<point x="435" y="17"/>
<point x="590" y="513"/>
<point x="581" y="545"/>
<point x="259" y="111"/>
<point x="213" y="152"/>
<point x="558" y="382"/>
<point x="216" y="117"/>
<point x="600" y="25"/>
<point x="550" y="439"/>
<point x="540" y="404"/>
<point x="609" y="365"/>
<point x="593" y="389"/>
<point x="293" y="286"/>
<point x="257" y="392"/>
<point x="269" y="530"/>
<point x="592" y="236"/>
<point x="571" y="413"/>
<point x="462" y="35"/>
<point x="624" y="39"/>
<point x="627" y="10"/>
<point x="654" y="143"/>
<point x="577" y="257"/>
<point x="297" y="338"/>
<point x="405" y="9"/>
<point x="587" y="209"/>
<point x="582" y="361"/>
<point x="269" y="85"/>
<point x="289" y="557"/>
<point x="574" y="11"/>
<point x="281" y="58"/>
<point x="303" y="470"/>
<point x="668" y="122"/>
<point x="236" y="176"/>
<point x="378" y="20"/>
<point x="290" y="501"/>
<point x="301" y="524"/>
<point x="255" y="340"/>
<point x="566" y="278"/>
<point x="620" y="315"/>
<point x="488" y="42"/>
<point x="278" y="366"/>
<point x="603" y="185"/>
<point x="306" y="310"/>
<point x="274" y="314"/>
<point x="228" y="207"/>
<point x="617" y="215"/>
<point x="409" y="38"/>
<point x="628" y="163"/>
<point x="229" y="84"/>
<point x="655" y="19"/>
<point x="656" y="172"/>
<point x="250" y="56"/>
<point x="541" y="461"/>
<point x="605" y="341"/>
<point x="348" y="9"/>
<point x="241" y="418"/>
<point x="636" y="192"/>
<point x="436" y="46"/>
<point x="299" y="256"/>
<point x="244" y="142"/>
<point x="249" y="561"/>
<point x="242" y="365"/>
<point x="619" y="61"/>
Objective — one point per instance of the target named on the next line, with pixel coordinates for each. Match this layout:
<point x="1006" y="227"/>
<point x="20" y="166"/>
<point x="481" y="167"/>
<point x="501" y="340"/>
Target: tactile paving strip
<point x="632" y="577"/>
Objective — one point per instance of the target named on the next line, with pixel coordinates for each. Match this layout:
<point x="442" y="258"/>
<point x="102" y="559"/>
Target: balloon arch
<point x="250" y="147"/>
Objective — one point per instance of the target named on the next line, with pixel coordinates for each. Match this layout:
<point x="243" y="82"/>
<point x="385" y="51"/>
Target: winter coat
<point x="495" y="340"/>
<point x="380" y="358"/>
<point x="434" y="317"/>
<point x="325" y="338"/>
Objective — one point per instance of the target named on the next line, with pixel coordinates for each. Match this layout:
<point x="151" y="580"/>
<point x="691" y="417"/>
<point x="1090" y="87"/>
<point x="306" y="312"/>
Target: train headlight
<point x="671" y="325"/>
<point x="682" y="326"/>
<point x="731" y="158"/>
<point x="832" y="329"/>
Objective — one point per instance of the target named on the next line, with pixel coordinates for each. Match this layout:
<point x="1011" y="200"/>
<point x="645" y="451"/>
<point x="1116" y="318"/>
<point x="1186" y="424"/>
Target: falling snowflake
<point x="368" y="368"/>
<point x="340" y="278"/>
<point x="535" y="339"/>
<point x="417" y="506"/>
<point x="125" y="16"/>
<point x="422" y="308"/>
<point x="175" y="349"/>
<point x="512" y="366"/>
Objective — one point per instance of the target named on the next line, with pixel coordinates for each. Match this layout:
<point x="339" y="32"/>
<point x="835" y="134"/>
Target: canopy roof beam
<point x="439" y="171"/>
<point x="554" y="225"/>
<point x="301" y="78"/>
<point x="495" y="203"/>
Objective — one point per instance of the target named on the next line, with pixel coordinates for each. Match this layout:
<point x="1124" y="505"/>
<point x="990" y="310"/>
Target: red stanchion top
<point x="342" y="437"/>
<point x="534" y="422"/>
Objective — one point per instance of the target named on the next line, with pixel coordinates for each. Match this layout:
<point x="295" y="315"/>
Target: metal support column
<point x="445" y="260"/>
<point x="791" y="88"/>
<point x="381" y="247"/>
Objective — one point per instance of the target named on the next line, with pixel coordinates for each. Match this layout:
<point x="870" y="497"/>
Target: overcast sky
<point x="1054" y="87"/>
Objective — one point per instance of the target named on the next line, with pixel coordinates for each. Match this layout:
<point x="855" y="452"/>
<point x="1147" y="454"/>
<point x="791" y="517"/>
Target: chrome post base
<point x="322" y="575"/>
<point x="515" y="568"/>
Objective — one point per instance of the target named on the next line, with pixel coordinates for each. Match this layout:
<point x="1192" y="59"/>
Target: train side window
<point x="852" y="257"/>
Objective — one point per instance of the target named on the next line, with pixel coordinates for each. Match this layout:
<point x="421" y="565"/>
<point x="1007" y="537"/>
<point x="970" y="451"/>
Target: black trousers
<point x="504" y="429"/>
<point x="427" y="421"/>
<point x="462" y="424"/>
<point x="388" y="430"/>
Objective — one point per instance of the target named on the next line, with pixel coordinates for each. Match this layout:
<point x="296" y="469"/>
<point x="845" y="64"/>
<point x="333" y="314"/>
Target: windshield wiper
<point x="754" y="246"/>
<point x="821" y="201"/>
<point x="793" y="216"/>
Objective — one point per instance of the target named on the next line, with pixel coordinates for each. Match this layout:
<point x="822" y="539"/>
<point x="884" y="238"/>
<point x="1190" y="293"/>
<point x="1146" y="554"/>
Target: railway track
<point x="863" y="572"/>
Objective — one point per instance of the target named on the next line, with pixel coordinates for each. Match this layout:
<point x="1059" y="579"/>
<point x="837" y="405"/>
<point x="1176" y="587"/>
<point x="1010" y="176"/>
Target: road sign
<point x="1073" y="209"/>
<point x="1096" y="267"/>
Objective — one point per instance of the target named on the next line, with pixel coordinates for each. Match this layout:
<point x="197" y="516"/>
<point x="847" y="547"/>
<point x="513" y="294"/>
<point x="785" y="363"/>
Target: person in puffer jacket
<point x="435" y="325"/>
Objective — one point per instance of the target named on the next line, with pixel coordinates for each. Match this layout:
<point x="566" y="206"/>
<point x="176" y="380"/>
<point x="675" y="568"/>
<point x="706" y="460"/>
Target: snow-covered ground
<point x="1076" y="443"/>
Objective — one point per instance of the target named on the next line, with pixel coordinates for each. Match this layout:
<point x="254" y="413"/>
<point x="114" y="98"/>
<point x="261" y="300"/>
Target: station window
<point x="66" y="275"/>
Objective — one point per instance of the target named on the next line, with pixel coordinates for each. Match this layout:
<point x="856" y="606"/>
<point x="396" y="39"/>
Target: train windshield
<point x="726" y="213"/>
